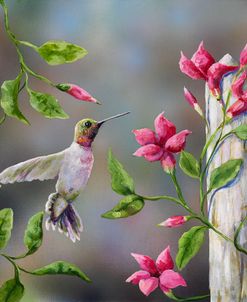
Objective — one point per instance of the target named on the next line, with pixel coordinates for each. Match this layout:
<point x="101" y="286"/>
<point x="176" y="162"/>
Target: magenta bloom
<point x="240" y="106"/>
<point x="77" y="92"/>
<point x="202" y="66"/>
<point x="156" y="273"/>
<point x="243" y="56"/>
<point x="161" y="144"/>
<point x="174" y="221"/>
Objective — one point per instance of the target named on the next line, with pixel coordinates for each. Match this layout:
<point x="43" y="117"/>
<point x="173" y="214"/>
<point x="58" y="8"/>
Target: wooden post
<point x="227" y="267"/>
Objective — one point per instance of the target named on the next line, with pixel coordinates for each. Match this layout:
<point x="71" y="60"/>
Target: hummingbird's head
<point x="87" y="129"/>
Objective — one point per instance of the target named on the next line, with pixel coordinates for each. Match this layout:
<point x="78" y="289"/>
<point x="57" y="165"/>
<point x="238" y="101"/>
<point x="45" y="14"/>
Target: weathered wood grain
<point x="228" y="268"/>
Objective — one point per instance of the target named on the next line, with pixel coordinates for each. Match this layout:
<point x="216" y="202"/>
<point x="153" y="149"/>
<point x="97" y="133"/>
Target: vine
<point x="161" y="145"/>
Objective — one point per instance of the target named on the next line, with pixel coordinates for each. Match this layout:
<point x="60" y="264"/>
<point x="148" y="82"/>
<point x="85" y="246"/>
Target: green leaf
<point x="189" y="164"/>
<point x="46" y="104"/>
<point x="189" y="245"/>
<point x="60" y="52"/>
<point x="6" y="224"/>
<point x="34" y="233"/>
<point x="61" y="268"/>
<point x="11" y="291"/>
<point x="9" y="100"/>
<point x="225" y="173"/>
<point x="128" y="206"/>
<point x="121" y="182"/>
<point x="241" y="132"/>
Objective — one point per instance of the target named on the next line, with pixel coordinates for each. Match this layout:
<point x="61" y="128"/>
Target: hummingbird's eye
<point x="88" y="124"/>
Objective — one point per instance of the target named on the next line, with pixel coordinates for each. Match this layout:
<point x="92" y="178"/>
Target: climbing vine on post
<point x="229" y="103"/>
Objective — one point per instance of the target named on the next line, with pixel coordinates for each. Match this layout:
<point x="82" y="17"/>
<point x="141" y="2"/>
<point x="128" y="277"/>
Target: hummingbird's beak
<point x="99" y="124"/>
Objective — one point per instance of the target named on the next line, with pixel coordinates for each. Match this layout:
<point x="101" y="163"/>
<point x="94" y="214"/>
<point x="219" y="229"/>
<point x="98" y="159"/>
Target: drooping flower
<point x="77" y="92"/>
<point x="157" y="273"/>
<point x="161" y="144"/>
<point x="203" y="66"/>
<point x="240" y="106"/>
<point x="174" y="221"/>
<point x="191" y="99"/>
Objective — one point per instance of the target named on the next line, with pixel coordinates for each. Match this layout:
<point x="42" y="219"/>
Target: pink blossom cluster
<point x="202" y="65"/>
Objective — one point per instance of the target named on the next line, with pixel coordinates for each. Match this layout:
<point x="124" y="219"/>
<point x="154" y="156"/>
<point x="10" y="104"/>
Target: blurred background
<point x="134" y="47"/>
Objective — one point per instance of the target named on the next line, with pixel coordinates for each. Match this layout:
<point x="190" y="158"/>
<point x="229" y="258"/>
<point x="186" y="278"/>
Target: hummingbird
<point x="72" y="167"/>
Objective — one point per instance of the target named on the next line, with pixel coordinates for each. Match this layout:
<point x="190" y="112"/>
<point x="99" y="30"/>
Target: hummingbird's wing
<point x="39" y="168"/>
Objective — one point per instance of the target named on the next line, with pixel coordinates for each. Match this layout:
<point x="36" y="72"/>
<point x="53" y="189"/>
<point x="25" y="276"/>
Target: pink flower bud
<point x="191" y="99"/>
<point x="239" y="107"/>
<point x="168" y="162"/>
<point x="77" y="92"/>
<point x="174" y="221"/>
<point x="243" y="56"/>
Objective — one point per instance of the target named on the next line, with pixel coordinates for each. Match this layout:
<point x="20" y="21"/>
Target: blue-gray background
<point x="132" y="65"/>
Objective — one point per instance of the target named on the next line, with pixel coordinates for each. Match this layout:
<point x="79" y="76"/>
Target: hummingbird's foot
<point x="63" y="215"/>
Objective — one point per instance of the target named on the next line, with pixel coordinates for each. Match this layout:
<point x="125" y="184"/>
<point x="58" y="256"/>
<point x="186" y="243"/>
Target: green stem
<point x="26" y="43"/>
<point x="16" y="42"/>
<point x="165" y="197"/>
<point x="203" y="173"/>
<point x="236" y="235"/>
<point x="17" y="272"/>
<point x="177" y="187"/>
<point x="172" y="296"/>
<point x="26" y="271"/>
<point x="2" y="120"/>
<point x="201" y="218"/>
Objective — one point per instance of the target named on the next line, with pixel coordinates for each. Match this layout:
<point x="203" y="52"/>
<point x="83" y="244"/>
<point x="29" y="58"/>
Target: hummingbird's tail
<point x="64" y="216"/>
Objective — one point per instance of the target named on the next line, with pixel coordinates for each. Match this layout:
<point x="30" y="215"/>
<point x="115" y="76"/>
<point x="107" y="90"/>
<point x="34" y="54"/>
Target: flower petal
<point x="137" y="276"/>
<point x="164" y="128"/>
<point x="239" y="107"/>
<point x="174" y="221"/>
<point x="168" y="162"/>
<point x="164" y="260"/>
<point x="243" y="56"/>
<point x="144" y="136"/>
<point x="170" y="279"/>
<point x="148" y="285"/>
<point x="146" y="263"/>
<point x="237" y="86"/>
<point x="189" y="68"/>
<point x="202" y="59"/>
<point x="177" y="142"/>
<point x="151" y="152"/>
<point x="215" y="75"/>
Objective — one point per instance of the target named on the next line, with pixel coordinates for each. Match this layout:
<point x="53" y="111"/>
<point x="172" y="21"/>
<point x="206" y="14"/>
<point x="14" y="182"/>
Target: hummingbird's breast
<point x="75" y="171"/>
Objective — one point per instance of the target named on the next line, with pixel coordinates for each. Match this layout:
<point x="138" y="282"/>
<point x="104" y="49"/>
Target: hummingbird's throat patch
<point x="84" y="141"/>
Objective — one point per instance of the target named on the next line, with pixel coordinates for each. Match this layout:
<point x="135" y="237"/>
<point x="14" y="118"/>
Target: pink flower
<point x="191" y="99"/>
<point x="174" y="221"/>
<point x="202" y="66"/>
<point x="240" y="106"/>
<point x="77" y="92"/>
<point x="243" y="56"/>
<point x="161" y="144"/>
<point x="157" y="273"/>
